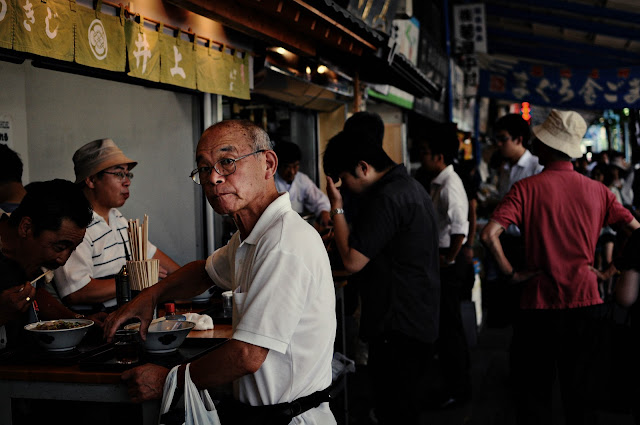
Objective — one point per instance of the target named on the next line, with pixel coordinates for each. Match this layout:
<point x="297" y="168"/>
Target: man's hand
<point x="145" y="382"/>
<point x="15" y="300"/>
<point x="140" y="307"/>
<point x="162" y="272"/>
<point x="521" y="277"/>
<point x="335" y="197"/>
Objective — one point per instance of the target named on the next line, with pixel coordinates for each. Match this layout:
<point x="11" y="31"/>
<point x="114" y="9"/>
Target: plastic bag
<point x="199" y="408"/>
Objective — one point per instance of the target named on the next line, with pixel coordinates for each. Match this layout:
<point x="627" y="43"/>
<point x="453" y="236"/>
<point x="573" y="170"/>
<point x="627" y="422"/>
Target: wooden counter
<point x="56" y="382"/>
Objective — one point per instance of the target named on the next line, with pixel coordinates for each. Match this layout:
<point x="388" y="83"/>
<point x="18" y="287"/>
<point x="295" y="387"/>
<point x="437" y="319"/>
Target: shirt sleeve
<point x="617" y="213"/>
<point x="508" y="210"/>
<point x="458" y="209"/>
<point x="218" y="268"/>
<point x="314" y="199"/>
<point x="77" y="272"/>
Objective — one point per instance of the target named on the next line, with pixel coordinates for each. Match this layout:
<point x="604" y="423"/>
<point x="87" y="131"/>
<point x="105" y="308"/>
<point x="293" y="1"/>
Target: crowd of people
<point x="554" y="248"/>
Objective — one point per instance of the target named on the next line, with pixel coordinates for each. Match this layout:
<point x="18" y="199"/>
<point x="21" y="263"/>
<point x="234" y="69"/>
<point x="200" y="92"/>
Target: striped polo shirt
<point x="100" y="255"/>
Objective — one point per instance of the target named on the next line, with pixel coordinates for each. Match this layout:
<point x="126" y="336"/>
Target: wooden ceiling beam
<point x="288" y="23"/>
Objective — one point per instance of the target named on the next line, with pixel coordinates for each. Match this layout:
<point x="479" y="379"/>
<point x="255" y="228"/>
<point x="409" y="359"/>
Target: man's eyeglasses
<point x="121" y="175"/>
<point x="502" y="138"/>
<point x="224" y="167"/>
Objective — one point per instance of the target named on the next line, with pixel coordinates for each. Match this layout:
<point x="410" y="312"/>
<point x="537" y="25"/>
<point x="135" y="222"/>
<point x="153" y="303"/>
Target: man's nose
<point x="216" y="178"/>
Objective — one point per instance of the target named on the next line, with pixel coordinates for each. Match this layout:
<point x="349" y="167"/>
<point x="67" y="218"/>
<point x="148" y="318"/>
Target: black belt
<point x="232" y="411"/>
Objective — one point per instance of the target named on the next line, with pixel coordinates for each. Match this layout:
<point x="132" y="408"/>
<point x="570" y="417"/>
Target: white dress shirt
<point x="304" y="194"/>
<point x="527" y="166"/>
<point x="451" y="205"/>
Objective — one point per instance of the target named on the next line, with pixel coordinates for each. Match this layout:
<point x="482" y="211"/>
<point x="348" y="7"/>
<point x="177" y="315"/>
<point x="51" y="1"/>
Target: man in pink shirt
<point x="560" y="213"/>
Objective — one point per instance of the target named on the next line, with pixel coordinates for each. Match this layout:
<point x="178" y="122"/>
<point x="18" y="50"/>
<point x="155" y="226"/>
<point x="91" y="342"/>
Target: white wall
<point x="63" y="111"/>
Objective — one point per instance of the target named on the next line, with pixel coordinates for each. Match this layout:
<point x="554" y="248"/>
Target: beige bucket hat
<point x="97" y="156"/>
<point x="562" y="131"/>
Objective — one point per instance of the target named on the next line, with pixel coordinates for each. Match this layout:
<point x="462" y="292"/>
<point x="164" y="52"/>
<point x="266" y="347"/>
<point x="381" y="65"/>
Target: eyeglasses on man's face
<point x="224" y="167"/>
<point x="121" y="175"/>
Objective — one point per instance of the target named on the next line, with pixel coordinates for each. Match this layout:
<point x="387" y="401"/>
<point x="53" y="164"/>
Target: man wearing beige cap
<point x="560" y="213"/>
<point x="86" y="283"/>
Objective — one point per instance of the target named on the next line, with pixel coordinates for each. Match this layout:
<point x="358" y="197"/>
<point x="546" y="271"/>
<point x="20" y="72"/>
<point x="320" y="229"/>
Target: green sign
<point x="43" y="27"/>
<point x="100" y="41"/>
<point x="177" y="61"/>
<point x="143" y="51"/>
<point x="209" y="69"/>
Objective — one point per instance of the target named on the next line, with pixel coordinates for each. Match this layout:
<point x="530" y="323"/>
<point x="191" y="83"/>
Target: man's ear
<point x="364" y="167"/>
<point x="518" y="140"/>
<point x="90" y="181"/>
<point x="272" y="164"/>
<point x="25" y="227"/>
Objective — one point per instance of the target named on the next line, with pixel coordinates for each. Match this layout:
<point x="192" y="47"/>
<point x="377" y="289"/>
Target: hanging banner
<point x="209" y="66"/>
<point x="100" y="41"/>
<point x="469" y="31"/>
<point x="143" y="51"/>
<point x="177" y="61"/>
<point x="7" y="10"/>
<point x="564" y="87"/>
<point x="234" y="76"/>
<point x="44" y="28"/>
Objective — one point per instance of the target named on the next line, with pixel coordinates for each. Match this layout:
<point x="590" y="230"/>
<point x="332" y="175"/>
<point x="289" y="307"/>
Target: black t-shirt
<point x="400" y="286"/>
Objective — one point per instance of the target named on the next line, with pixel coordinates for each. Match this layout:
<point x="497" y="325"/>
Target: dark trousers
<point x="399" y="367"/>
<point x="546" y="344"/>
<point x="453" y="350"/>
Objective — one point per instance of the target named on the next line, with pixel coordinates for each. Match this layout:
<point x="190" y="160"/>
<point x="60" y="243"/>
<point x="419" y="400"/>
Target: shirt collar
<point x="276" y="209"/>
<point x="443" y="175"/>
<point x="525" y="158"/>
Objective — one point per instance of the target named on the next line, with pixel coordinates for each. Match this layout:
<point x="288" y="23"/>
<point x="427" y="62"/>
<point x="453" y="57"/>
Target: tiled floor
<point x="491" y="404"/>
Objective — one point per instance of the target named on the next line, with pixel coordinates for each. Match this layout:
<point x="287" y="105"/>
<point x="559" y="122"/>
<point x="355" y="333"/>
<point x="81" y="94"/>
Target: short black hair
<point x="10" y="165"/>
<point x="443" y="140"/>
<point x="345" y="150"/>
<point x="515" y="125"/>
<point x="47" y="203"/>
<point x="368" y="124"/>
<point x="287" y="153"/>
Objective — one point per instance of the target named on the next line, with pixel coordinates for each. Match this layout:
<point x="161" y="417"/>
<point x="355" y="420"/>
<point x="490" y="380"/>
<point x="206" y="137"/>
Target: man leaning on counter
<point x="284" y="320"/>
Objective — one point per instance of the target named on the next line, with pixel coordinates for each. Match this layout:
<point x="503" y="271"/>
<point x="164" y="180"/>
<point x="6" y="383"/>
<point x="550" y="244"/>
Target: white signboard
<point x="470" y="28"/>
<point x="6" y="133"/>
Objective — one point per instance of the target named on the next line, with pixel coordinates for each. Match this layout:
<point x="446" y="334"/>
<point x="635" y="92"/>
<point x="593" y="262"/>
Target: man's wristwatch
<point x="335" y="211"/>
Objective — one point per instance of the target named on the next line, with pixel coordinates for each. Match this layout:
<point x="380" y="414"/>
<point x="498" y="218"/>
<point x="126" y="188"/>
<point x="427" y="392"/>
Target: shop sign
<point x="408" y="37"/>
<point x="63" y="30"/>
<point x="100" y="41"/>
<point x="6" y="132"/>
<point x="143" y="51"/>
<point x="6" y="23"/>
<point x="177" y="61"/>
<point x="564" y="87"/>
<point x="469" y="29"/>
<point x="43" y="28"/>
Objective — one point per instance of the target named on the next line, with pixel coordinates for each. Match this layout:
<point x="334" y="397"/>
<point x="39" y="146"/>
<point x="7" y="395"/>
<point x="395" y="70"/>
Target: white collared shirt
<point x="284" y="300"/>
<point x="451" y="204"/>
<point x="304" y="194"/>
<point x="100" y="254"/>
<point x="527" y="166"/>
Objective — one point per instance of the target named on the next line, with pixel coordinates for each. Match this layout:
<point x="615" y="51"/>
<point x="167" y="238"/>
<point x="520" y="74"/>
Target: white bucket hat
<point x="97" y="156"/>
<point x="562" y="131"/>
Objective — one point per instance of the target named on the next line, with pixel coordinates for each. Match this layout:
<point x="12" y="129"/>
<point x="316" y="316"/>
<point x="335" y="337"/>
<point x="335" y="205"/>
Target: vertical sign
<point x="6" y="134"/>
<point x="470" y="30"/>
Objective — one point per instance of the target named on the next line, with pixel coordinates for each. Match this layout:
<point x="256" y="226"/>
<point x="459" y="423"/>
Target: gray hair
<point x="258" y="138"/>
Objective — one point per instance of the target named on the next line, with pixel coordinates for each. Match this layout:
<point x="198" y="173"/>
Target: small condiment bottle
<point x="169" y="309"/>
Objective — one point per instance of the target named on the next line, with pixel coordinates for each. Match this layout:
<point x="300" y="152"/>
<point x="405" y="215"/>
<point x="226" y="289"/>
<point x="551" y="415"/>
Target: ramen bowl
<point x="165" y="336"/>
<point x="59" y="335"/>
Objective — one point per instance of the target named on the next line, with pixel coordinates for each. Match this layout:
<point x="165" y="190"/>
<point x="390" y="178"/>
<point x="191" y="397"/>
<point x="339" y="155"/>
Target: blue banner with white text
<point x="563" y="87"/>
